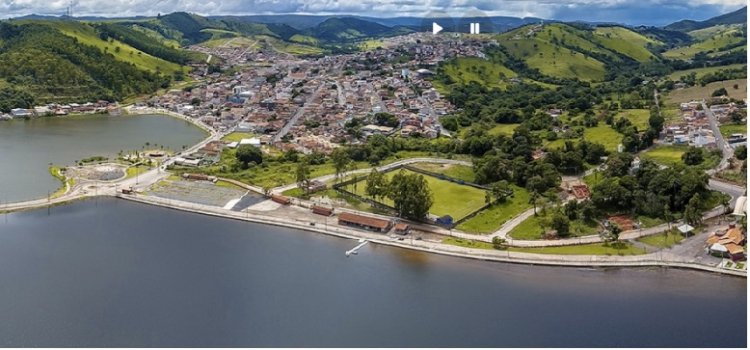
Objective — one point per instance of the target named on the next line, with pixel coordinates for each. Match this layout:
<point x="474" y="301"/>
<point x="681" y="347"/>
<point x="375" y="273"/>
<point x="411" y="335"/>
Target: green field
<point x="503" y="129"/>
<point x="700" y="72"/>
<point x="626" y="42"/>
<point x="467" y="69"/>
<point x="676" y="97"/>
<point x="729" y="129"/>
<point x="663" y="240"/>
<point x="444" y="195"/>
<point x="369" y="45"/>
<point x="620" y="248"/>
<point x="492" y="218"/>
<point x="605" y="135"/>
<point x="639" y="117"/>
<point x="665" y="154"/>
<point x="532" y="229"/>
<point x="123" y="52"/>
<point x="237" y="136"/>
<point x="456" y="171"/>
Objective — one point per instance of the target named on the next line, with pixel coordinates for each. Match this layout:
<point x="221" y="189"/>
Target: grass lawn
<point x="729" y="129"/>
<point x="585" y="249"/>
<point x="593" y="179"/>
<point x="665" y="154"/>
<point x="639" y="117"/>
<point x="698" y="92"/>
<point x="456" y="171"/>
<point x="137" y="170"/>
<point x="621" y="248"/>
<point x="445" y="194"/>
<point x="663" y="240"/>
<point x="490" y="219"/>
<point x="605" y="135"/>
<point x="238" y="136"/>
<point x="503" y="129"/>
<point x="531" y="228"/>
<point x="672" y="155"/>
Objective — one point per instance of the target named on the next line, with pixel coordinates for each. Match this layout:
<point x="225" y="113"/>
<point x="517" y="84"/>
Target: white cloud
<point x="385" y="8"/>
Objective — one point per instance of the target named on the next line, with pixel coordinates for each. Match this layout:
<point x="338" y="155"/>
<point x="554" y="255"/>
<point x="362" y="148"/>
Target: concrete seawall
<point x="647" y="260"/>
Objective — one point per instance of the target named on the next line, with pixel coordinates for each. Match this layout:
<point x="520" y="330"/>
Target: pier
<point x="355" y="249"/>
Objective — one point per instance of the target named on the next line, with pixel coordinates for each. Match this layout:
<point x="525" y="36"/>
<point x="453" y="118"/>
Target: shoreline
<point x="501" y="256"/>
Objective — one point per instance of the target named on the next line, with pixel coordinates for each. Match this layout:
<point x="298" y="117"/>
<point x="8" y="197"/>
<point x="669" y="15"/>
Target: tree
<point x="693" y="215"/>
<point x="499" y="243"/>
<point x="302" y="176"/>
<point x="341" y="161"/>
<point x="376" y="185"/>
<point x="411" y="195"/>
<point x="719" y="92"/>
<point x="247" y="154"/>
<point x="612" y="234"/>
<point x="737" y="116"/>
<point x="693" y="156"/>
<point x="561" y="224"/>
<point x="741" y="152"/>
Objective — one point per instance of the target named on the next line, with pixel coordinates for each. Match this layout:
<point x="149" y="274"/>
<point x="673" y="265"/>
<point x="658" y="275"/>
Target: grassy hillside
<point x="710" y="40"/>
<point x="467" y="69"/>
<point x="626" y="42"/>
<point x="700" y="92"/>
<point x="86" y="34"/>
<point x="539" y="52"/>
<point x="700" y="72"/>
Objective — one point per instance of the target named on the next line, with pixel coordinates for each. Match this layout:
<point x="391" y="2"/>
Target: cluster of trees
<point x="51" y="65"/>
<point x="248" y="154"/>
<point x="649" y="191"/>
<point x="410" y="193"/>
<point x="13" y="98"/>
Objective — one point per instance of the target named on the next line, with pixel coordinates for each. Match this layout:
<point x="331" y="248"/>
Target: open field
<point x="492" y="218"/>
<point x="700" y="72"/>
<point x="663" y="240"/>
<point x="665" y="154"/>
<point x="555" y="60"/>
<point x="639" y="117"/>
<point x="605" y="135"/>
<point x="467" y="69"/>
<point x="444" y="193"/>
<point x="729" y="129"/>
<point x="532" y="229"/>
<point x="582" y="249"/>
<point x="503" y="129"/>
<point x="456" y="171"/>
<point x="676" y="97"/>
<point x="238" y="136"/>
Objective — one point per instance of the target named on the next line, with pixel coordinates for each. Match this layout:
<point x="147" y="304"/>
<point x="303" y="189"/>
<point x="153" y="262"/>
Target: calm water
<point x="108" y="272"/>
<point x="28" y="147"/>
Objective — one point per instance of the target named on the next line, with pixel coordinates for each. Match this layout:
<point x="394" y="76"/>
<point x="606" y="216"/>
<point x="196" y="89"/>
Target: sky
<point x="632" y="12"/>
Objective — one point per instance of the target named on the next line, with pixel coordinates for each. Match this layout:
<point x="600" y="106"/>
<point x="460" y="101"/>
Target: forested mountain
<point x="52" y="66"/>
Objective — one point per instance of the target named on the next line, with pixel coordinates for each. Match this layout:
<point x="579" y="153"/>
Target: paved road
<point x="726" y="150"/>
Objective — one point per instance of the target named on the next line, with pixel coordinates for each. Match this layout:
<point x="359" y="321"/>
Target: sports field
<point x="449" y="198"/>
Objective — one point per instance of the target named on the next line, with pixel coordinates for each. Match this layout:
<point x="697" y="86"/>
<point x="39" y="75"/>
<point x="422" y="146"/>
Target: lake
<point x="108" y="272"/>
<point x="28" y="147"/>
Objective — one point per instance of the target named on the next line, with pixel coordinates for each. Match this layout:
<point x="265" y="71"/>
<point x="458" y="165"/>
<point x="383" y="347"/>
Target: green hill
<point x="52" y="66"/>
<point x="711" y="40"/>
<point x="547" y="53"/>
<point x="626" y="42"/>
<point x="87" y="34"/>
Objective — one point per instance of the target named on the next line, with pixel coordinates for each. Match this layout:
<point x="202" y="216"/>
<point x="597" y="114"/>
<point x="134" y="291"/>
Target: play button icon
<point x="436" y="28"/>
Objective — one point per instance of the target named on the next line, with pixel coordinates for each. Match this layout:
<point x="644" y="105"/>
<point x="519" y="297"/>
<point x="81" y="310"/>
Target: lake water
<point x="107" y="272"/>
<point x="27" y="147"/>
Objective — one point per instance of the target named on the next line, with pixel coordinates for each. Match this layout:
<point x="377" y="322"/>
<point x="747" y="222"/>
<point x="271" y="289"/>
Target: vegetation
<point x="491" y="219"/>
<point x="663" y="240"/>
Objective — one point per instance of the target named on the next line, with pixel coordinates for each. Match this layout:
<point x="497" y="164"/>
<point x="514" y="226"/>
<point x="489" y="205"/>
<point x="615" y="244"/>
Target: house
<point x="255" y="142"/>
<point x="365" y="222"/>
<point x="21" y="113"/>
<point x="727" y="243"/>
